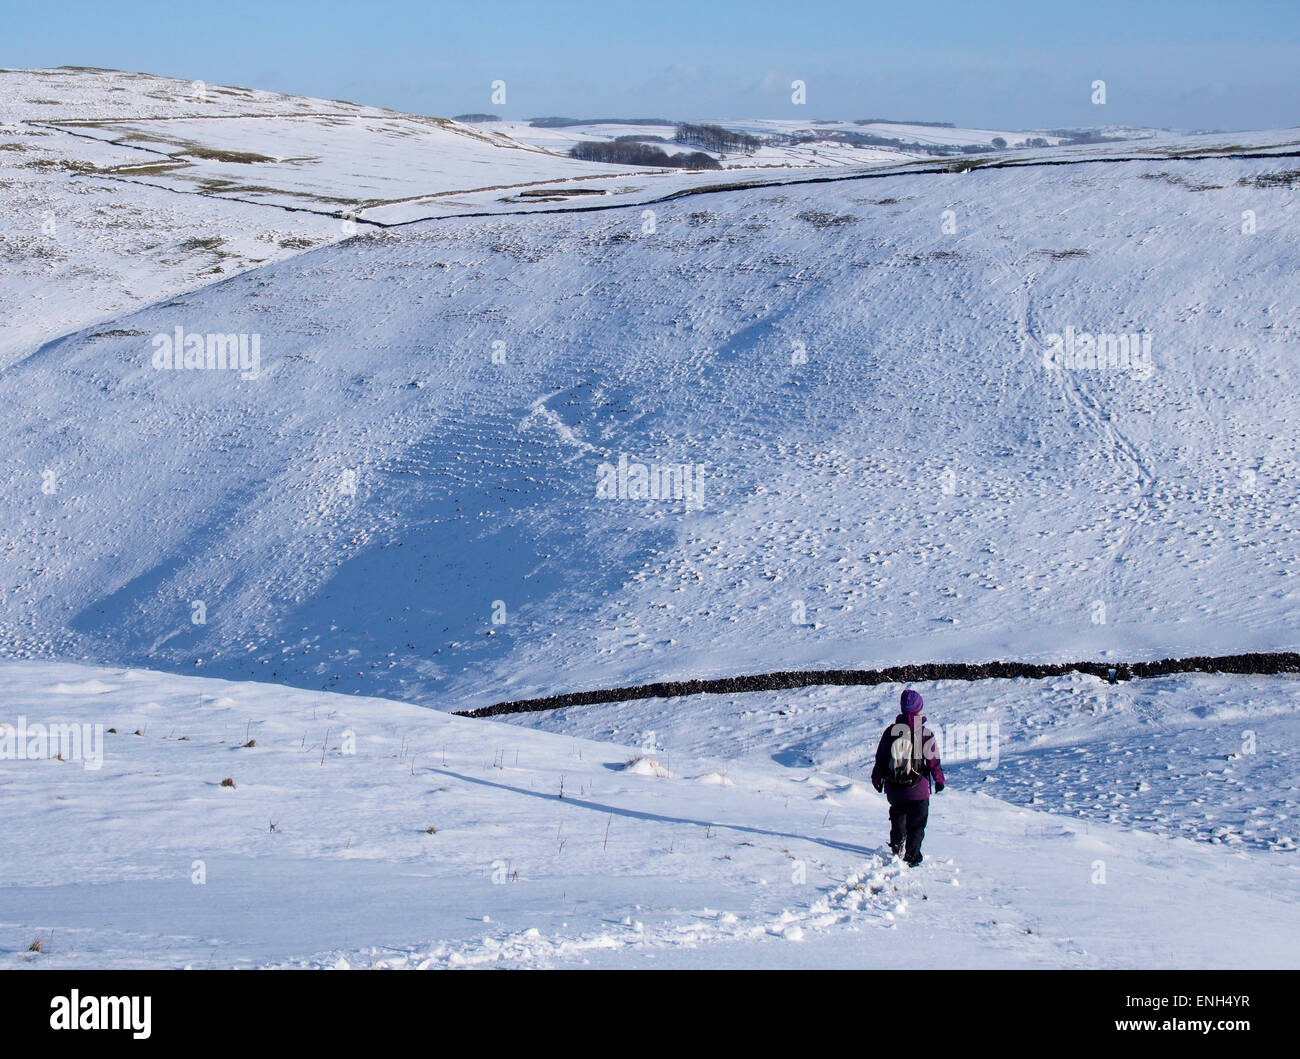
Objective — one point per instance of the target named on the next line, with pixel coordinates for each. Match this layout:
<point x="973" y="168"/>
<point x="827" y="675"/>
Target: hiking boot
<point x="912" y="862"/>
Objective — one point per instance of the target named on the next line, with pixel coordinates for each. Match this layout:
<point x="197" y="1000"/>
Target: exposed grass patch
<point x="211" y="242"/>
<point x="1060" y="255"/>
<point x="1283" y="179"/>
<point x="221" y="186"/>
<point x="1198" y="151"/>
<point x="918" y="259"/>
<point x="149" y="169"/>
<point x="211" y="154"/>
<point x="64" y="165"/>
<point x="1171" y="178"/>
<point x="822" y="219"/>
<point x="21" y="248"/>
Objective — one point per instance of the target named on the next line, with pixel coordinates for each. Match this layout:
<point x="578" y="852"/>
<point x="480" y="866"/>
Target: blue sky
<point x="1191" y="64"/>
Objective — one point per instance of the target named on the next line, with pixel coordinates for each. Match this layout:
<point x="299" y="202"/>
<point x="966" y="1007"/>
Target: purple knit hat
<point x="911" y="702"/>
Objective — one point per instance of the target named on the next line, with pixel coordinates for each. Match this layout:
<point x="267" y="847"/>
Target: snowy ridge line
<point x="1246" y="664"/>
<point x="220" y="117"/>
<point x="901" y="169"/>
<point x="126" y="178"/>
<point x="68" y="126"/>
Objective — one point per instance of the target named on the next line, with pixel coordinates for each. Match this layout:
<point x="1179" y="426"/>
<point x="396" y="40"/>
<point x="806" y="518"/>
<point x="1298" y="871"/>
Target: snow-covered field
<point x="685" y="845"/>
<point x="413" y="497"/>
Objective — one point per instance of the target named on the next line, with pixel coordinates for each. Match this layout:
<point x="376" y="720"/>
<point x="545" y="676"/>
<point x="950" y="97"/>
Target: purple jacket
<point x="930" y="766"/>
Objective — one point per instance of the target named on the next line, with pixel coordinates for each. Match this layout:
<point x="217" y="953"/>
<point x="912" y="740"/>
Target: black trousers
<point x="907" y="824"/>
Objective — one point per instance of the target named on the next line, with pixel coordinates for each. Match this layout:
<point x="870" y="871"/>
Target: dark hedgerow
<point x="626" y="153"/>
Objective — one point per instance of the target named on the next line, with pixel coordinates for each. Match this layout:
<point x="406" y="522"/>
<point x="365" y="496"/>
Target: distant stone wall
<point x="1276" y="662"/>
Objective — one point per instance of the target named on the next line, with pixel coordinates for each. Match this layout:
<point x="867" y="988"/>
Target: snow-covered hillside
<point x="889" y="472"/>
<point x="79" y="247"/>
<point x="451" y="433"/>
<point x="121" y="189"/>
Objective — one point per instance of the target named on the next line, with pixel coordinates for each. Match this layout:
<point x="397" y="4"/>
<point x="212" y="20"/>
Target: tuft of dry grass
<point x="214" y="155"/>
<point x="822" y="219"/>
<point x="1284" y="179"/>
<point x="198" y="243"/>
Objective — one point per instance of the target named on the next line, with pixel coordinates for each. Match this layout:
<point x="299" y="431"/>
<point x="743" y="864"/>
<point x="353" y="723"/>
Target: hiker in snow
<point x="906" y="760"/>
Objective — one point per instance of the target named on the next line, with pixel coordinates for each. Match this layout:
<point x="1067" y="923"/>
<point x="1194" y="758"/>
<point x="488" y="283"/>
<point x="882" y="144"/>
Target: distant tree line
<point x="871" y="139"/>
<point x="716" y="138"/>
<point x="476" y="119"/>
<point x="626" y="152"/>
<point x="638" y="150"/>
<point x="888" y="121"/>
<point x="564" y="123"/>
<point x="1070" y="137"/>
